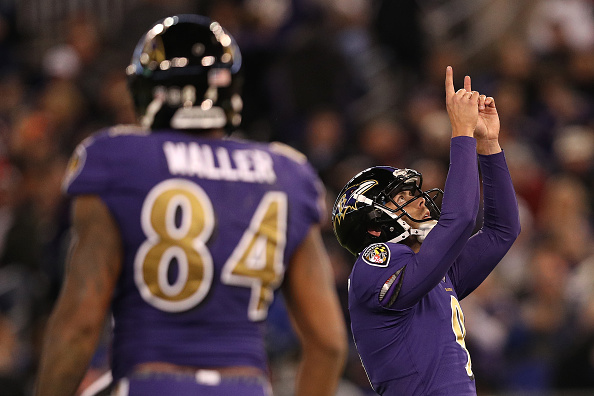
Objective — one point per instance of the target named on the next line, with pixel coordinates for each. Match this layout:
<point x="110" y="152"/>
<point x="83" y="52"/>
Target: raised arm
<point x="501" y="224"/>
<point x="444" y="243"/>
<point x="312" y="302"/>
<point x="487" y="129"/>
<point x="460" y="204"/>
<point x="76" y="323"/>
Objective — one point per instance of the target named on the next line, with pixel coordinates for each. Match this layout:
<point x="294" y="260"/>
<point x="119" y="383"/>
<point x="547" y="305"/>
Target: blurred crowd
<point x="351" y="83"/>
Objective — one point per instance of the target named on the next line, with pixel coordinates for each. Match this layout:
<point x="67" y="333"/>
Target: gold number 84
<point x="177" y="218"/>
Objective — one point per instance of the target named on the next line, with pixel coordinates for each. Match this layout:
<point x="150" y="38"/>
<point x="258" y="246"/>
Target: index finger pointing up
<point x="449" y="82"/>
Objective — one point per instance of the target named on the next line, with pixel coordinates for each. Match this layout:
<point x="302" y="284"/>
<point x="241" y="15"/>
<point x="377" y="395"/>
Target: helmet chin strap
<point x="420" y="233"/>
<point x="425" y="229"/>
<point x="408" y="231"/>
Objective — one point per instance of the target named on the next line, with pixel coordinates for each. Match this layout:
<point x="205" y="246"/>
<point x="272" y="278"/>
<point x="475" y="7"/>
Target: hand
<point x="487" y="128"/>
<point x="462" y="106"/>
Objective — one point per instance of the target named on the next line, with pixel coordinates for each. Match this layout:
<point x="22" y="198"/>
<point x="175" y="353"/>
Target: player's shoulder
<point x="99" y="142"/>
<point x="275" y="148"/>
<point x="293" y="161"/>
<point x="374" y="265"/>
<point x="117" y="132"/>
<point x="113" y="135"/>
<point x="96" y="148"/>
<point x="126" y="130"/>
<point x="381" y="254"/>
<point x="287" y="151"/>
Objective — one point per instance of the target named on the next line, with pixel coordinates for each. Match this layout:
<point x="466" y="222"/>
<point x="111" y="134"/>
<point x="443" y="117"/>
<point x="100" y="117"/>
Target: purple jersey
<point x="208" y="227"/>
<point x="405" y="313"/>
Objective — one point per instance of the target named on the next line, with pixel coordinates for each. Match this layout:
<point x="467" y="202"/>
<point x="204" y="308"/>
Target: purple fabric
<point x="415" y="346"/>
<point x="226" y="197"/>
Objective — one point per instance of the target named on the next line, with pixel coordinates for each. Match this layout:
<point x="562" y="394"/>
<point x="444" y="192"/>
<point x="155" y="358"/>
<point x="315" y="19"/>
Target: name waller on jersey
<point x="192" y="159"/>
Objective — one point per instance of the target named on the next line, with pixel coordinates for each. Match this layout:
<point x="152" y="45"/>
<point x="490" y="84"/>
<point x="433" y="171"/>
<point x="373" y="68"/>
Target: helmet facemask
<point x="361" y="214"/>
<point x="414" y="187"/>
<point x="385" y="224"/>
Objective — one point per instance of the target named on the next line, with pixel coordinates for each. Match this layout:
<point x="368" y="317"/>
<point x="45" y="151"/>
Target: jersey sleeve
<point x="88" y="168"/>
<point x="501" y="226"/>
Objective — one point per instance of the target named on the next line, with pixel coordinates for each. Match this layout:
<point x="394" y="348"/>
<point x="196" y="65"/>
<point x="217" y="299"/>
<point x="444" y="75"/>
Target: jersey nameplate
<point x="377" y="254"/>
<point x="192" y="159"/>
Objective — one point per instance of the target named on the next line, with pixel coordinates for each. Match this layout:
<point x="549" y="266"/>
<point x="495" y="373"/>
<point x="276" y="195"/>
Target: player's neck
<point x="206" y="133"/>
<point x="209" y="133"/>
<point x="412" y="243"/>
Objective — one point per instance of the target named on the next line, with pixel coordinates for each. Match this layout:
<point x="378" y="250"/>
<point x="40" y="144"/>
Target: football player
<point x="187" y="235"/>
<point x="416" y="261"/>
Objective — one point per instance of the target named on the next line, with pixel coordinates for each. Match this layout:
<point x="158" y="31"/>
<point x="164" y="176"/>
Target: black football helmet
<point x="185" y="74"/>
<point x="361" y="206"/>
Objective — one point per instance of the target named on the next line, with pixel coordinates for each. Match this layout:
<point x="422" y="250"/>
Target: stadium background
<point x="351" y="83"/>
